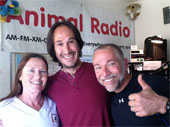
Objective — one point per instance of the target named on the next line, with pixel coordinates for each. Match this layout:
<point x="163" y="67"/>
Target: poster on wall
<point x="53" y="67"/>
<point x="28" y="32"/>
<point x="16" y="57"/>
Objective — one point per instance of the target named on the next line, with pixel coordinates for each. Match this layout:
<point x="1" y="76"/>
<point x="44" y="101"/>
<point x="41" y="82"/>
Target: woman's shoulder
<point x="49" y="101"/>
<point x="6" y="102"/>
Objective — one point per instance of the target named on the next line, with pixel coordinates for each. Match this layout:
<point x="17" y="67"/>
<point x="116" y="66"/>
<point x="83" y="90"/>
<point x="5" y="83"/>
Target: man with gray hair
<point x="137" y="100"/>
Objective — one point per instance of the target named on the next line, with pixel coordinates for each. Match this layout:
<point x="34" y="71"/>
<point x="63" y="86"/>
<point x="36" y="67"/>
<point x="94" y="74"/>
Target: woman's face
<point x="34" y="76"/>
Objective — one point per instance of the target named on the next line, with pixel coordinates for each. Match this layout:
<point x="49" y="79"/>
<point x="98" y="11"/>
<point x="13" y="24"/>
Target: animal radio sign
<point x="28" y="31"/>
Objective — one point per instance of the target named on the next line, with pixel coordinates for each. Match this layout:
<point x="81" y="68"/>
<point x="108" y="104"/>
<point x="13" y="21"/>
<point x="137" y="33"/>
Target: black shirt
<point x="121" y="113"/>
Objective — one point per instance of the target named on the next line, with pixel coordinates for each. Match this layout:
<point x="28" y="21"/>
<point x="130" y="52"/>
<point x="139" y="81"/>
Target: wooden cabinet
<point x="154" y="51"/>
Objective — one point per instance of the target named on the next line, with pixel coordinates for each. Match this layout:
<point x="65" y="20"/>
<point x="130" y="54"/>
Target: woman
<point x="26" y="104"/>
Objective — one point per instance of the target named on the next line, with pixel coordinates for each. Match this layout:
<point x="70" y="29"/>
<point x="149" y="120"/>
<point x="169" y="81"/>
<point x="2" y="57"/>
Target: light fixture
<point x="133" y="10"/>
<point x="157" y="39"/>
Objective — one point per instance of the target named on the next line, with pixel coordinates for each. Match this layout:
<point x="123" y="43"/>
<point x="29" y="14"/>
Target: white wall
<point x="150" y="22"/>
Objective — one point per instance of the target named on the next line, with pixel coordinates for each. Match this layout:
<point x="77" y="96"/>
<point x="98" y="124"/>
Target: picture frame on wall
<point x="16" y="57"/>
<point x="166" y="15"/>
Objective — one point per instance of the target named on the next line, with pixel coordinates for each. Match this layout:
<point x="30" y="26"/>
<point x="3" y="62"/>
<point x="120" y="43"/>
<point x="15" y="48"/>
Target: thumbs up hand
<point x="147" y="102"/>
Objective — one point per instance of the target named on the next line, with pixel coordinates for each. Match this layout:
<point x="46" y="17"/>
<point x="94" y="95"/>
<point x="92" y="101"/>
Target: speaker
<point x="154" y="51"/>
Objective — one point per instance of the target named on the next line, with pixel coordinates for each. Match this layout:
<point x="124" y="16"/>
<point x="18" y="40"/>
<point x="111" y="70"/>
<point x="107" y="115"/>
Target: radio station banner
<point x="28" y="32"/>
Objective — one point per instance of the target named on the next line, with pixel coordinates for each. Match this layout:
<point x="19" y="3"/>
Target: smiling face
<point x="66" y="47"/>
<point x="34" y="76"/>
<point x="108" y="68"/>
